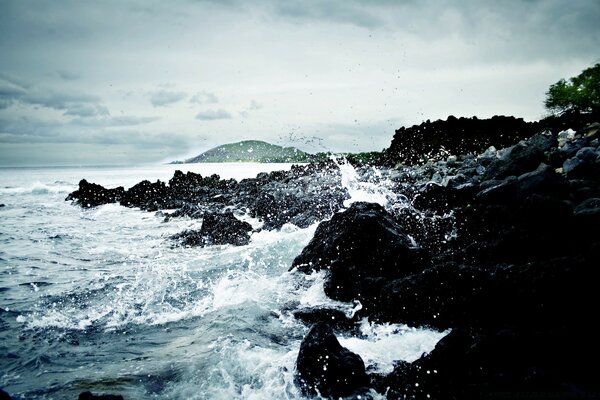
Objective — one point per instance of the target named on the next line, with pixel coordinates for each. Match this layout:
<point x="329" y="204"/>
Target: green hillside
<point x="251" y="151"/>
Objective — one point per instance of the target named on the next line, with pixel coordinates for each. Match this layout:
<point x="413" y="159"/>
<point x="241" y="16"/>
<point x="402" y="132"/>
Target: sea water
<point x="99" y="299"/>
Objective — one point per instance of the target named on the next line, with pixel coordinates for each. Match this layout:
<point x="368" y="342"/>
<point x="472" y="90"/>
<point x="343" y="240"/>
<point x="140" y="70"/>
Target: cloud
<point x="163" y="98"/>
<point x="68" y="75"/>
<point x="125" y="120"/>
<point x="211" y="115"/>
<point x="254" y="105"/>
<point x="204" y="98"/>
<point x="86" y="110"/>
<point x="351" y="12"/>
<point x="71" y="103"/>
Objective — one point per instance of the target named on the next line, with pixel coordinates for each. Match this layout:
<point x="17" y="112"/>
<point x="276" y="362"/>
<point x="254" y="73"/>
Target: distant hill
<point x="251" y="151"/>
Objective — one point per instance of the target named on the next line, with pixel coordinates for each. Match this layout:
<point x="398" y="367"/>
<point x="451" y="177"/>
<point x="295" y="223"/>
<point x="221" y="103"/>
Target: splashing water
<point x="99" y="300"/>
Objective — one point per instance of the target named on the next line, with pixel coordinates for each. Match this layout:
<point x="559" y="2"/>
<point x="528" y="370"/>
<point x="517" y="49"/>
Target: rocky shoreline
<point x="499" y="247"/>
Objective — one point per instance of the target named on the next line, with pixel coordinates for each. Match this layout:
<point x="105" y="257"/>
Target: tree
<point x="580" y="94"/>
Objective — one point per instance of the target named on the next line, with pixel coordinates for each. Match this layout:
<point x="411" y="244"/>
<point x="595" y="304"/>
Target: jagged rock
<point x="520" y="158"/>
<point x="146" y="195"/>
<point x="538" y="294"/>
<point x="92" y="194"/>
<point x="360" y="247"/>
<point x="325" y="367"/>
<point x="475" y="364"/>
<point x="217" y="229"/>
<point x="457" y="136"/>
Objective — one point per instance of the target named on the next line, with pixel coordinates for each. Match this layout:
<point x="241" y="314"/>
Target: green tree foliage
<point x="580" y="93"/>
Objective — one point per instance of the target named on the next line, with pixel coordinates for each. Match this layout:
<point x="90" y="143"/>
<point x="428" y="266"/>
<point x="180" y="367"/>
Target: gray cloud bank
<point x="90" y="76"/>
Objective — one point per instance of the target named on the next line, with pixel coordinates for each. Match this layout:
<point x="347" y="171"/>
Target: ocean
<point x="99" y="299"/>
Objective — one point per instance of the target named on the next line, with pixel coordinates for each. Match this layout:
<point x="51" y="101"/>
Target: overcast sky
<point x="105" y="82"/>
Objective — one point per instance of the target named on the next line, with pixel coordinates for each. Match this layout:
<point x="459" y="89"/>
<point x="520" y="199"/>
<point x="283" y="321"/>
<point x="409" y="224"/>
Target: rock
<point x="360" y="247"/>
<point x="545" y="293"/>
<point x="2" y="205"/>
<point x="433" y="140"/>
<point x="4" y="395"/>
<point x="521" y="158"/>
<point x="146" y="195"/>
<point x="474" y="364"/>
<point x="90" y="396"/>
<point x="217" y="229"/>
<point x="584" y="165"/>
<point x="92" y="195"/>
<point x="325" y="367"/>
<point x="441" y="199"/>
<point x="586" y="154"/>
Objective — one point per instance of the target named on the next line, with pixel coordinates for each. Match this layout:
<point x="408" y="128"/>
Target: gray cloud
<point x="162" y="98"/>
<point x="125" y="120"/>
<point x="68" y="75"/>
<point x="210" y="115"/>
<point x="71" y="103"/>
<point x="204" y="97"/>
<point x="352" y="12"/>
<point x="86" y="110"/>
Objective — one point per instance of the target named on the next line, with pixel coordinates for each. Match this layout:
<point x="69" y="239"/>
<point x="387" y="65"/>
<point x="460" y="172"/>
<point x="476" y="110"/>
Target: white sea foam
<point x="382" y="344"/>
<point x="112" y="270"/>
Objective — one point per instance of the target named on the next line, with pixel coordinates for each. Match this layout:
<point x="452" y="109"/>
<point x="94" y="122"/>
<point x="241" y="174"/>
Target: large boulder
<point x="476" y="364"/>
<point x="559" y="291"/>
<point x="325" y="367"/>
<point x="217" y="229"/>
<point x="361" y="248"/>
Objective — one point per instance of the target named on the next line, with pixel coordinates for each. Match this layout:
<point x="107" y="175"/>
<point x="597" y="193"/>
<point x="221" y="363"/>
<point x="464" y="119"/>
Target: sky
<point x="137" y="82"/>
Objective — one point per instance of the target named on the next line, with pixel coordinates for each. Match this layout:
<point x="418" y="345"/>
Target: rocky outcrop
<point x="92" y="195"/>
<point x="217" y="229"/>
<point x="513" y="238"/>
<point x="326" y="368"/>
<point x="301" y="196"/>
<point x="361" y="248"/>
<point x="429" y="140"/>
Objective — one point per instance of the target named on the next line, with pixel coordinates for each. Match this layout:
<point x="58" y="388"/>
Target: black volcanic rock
<point x="92" y="195"/>
<point x="476" y="364"/>
<point x="520" y="158"/>
<point x="535" y="294"/>
<point x="457" y="136"/>
<point x="301" y="196"/>
<point x="325" y="366"/>
<point x="217" y="229"/>
<point x="146" y="195"/>
<point x="361" y="248"/>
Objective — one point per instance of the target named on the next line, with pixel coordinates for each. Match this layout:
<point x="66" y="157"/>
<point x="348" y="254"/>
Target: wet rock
<point x="92" y="195"/>
<point x="520" y="158"/>
<point x="431" y="140"/>
<point x="360" y="247"/>
<point x="217" y="229"/>
<point x="325" y="367"/>
<point x="4" y="395"/>
<point x="147" y="195"/>
<point x="91" y="396"/>
<point x="475" y="364"/>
